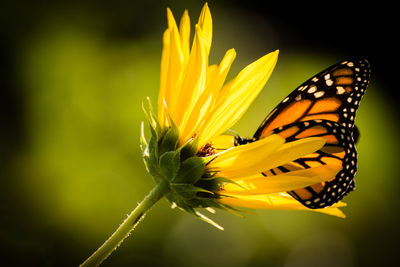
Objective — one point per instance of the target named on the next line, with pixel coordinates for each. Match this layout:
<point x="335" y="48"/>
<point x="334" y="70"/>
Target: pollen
<point x="206" y="150"/>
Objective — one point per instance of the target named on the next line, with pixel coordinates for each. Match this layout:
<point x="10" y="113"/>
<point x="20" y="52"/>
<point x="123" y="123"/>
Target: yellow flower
<point x="193" y="163"/>
<point x="198" y="105"/>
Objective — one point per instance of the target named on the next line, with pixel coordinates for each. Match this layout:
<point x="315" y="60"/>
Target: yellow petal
<point x="176" y="64"/>
<point x="246" y="162"/>
<point x="246" y="159"/>
<point x="277" y="201"/>
<point x="223" y="142"/>
<point x="331" y="211"/>
<point x="205" y="23"/>
<point x="218" y="79"/>
<point x="184" y="31"/>
<point x="294" y="150"/>
<point x="259" y="184"/>
<point x="267" y="201"/>
<point x="236" y="96"/>
<point x="211" y="69"/>
<point x="203" y="105"/>
<point x="193" y="83"/>
<point x="163" y="76"/>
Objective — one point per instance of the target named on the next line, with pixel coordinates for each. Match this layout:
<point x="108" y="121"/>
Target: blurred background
<point x="73" y="77"/>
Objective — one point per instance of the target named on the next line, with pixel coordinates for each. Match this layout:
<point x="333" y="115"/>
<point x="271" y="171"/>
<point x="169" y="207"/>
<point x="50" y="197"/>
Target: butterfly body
<point x="323" y="106"/>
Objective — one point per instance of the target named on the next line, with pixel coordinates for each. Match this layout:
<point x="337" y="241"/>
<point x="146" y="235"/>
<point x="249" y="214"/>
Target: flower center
<point x="206" y="150"/>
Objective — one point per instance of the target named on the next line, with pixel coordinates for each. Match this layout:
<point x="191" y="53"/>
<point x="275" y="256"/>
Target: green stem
<point x="160" y="190"/>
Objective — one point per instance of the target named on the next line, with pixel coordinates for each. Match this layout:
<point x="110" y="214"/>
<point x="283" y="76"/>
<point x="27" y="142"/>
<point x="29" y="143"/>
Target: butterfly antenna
<point x="232" y="132"/>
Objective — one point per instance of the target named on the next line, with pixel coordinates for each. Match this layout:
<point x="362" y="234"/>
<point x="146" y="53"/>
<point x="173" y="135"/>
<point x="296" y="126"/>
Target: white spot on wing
<point x="319" y="94"/>
<point x="340" y="90"/>
<point x="329" y="82"/>
<point x="312" y="89"/>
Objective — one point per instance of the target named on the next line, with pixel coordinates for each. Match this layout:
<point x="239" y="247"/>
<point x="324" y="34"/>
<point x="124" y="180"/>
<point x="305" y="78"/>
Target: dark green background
<point x="73" y="79"/>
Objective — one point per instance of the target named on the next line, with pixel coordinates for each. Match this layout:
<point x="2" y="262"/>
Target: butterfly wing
<point x="334" y="94"/>
<point x="338" y="150"/>
<point x="324" y="106"/>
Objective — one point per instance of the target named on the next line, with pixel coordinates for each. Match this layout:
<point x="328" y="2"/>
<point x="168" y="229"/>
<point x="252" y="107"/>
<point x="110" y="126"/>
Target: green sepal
<point x="191" y="171"/>
<point x="143" y="142"/>
<point x="228" y="208"/>
<point x="170" y="164"/>
<point x="203" y="202"/>
<point x="150" y="156"/>
<point x="208" y="159"/>
<point x="152" y="168"/>
<point x="187" y="190"/>
<point x="189" y="149"/>
<point x="152" y="119"/>
<point x="214" y="183"/>
<point x="181" y="204"/>
<point x="169" y="140"/>
<point x="153" y="144"/>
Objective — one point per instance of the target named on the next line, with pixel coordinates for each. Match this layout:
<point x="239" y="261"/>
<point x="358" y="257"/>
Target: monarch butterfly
<point x="323" y="106"/>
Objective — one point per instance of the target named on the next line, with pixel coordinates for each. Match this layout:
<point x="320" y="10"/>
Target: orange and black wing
<point x="338" y="150"/>
<point x="333" y="95"/>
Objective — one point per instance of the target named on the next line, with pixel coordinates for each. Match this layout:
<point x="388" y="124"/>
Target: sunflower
<point x="203" y="166"/>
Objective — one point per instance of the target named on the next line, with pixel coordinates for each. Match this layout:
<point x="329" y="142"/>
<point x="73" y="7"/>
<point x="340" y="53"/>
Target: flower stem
<point x="160" y="190"/>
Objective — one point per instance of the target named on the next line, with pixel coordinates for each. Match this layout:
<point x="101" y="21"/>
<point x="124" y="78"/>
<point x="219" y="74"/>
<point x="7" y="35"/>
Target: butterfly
<point x="323" y="106"/>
